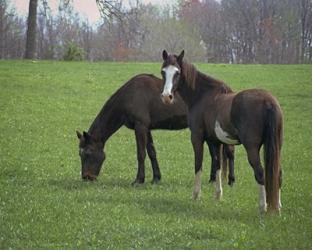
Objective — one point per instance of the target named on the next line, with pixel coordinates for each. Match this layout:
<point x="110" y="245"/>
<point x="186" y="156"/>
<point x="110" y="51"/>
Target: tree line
<point x="226" y="31"/>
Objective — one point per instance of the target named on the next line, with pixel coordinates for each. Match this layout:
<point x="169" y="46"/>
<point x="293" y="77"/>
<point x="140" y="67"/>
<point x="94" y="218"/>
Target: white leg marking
<point x="197" y="185"/>
<point x="262" y="199"/>
<point x="218" y="185"/>
<point x="279" y="199"/>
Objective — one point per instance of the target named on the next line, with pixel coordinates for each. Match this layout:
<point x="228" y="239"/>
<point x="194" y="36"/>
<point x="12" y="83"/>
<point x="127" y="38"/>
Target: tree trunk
<point x="31" y="30"/>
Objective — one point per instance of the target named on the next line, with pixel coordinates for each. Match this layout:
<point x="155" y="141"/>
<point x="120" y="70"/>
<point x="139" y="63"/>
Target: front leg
<point x="197" y="142"/>
<point x="215" y="174"/>
<point x="141" y="139"/>
<point x="152" y="155"/>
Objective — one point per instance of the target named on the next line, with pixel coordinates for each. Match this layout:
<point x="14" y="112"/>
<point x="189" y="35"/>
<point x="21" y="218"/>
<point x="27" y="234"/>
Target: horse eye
<point x="177" y="74"/>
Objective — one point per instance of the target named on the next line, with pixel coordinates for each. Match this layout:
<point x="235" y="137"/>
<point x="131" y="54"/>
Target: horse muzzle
<point x="88" y="177"/>
<point x="167" y="98"/>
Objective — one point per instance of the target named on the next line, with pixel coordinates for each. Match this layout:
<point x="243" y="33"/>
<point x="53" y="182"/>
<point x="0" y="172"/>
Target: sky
<point x="87" y="8"/>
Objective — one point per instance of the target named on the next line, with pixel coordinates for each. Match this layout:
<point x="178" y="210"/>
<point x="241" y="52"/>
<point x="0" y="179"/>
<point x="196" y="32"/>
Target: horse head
<point x="91" y="155"/>
<point x="171" y="72"/>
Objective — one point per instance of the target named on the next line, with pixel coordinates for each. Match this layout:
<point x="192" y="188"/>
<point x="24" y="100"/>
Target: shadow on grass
<point x="158" y="203"/>
<point x="186" y="208"/>
<point x="162" y="199"/>
<point x="70" y="184"/>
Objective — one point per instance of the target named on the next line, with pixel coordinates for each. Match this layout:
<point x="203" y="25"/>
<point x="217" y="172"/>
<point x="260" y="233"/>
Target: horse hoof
<point x="262" y="210"/>
<point x="196" y="195"/>
<point x="231" y="183"/>
<point x="212" y="180"/>
<point x="155" y="181"/>
<point x="218" y="196"/>
<point x="137" y="182"/>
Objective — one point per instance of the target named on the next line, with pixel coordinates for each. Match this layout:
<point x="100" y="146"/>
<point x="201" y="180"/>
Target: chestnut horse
<point x="218" y="115"/>
<point x="136" y="105"/>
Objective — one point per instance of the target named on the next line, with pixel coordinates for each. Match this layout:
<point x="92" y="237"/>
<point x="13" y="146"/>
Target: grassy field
<point x="45" y="205"/>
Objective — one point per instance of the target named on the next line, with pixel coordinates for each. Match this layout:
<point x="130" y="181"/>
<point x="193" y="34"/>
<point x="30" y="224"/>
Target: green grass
<point x="45" y="205"/>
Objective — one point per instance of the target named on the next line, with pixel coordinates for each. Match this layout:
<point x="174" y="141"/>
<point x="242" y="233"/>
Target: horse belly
<point x="171" y="123"/>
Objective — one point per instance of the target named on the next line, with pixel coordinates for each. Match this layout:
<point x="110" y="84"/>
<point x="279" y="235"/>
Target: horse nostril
<point x="167" y="99"/>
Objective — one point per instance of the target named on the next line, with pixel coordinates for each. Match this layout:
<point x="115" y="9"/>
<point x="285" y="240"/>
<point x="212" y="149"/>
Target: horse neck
<point x="107" y="122"/>
<point x="187" y="93"/>
<point x="203" y="84"/>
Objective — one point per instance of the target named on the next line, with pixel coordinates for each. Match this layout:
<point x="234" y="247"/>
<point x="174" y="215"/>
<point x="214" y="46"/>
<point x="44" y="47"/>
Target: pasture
<point x="44" y="204"/>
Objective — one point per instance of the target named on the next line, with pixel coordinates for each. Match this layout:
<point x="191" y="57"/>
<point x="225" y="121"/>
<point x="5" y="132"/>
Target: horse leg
<point x="152" y="155"/>
<point x="254" y="161"/>
<point x="224" y="162"/>
<point x="230" y="155"/>
<point x="197" y="143"/>
<point x="215" y="174"/>
<point x="141" y="139"/>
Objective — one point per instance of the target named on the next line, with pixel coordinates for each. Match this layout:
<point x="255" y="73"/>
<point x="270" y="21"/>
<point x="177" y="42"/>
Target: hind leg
<point x="254" y="161"/>
<point x="152" y="155"/>
<point x="225" y="161"/>
<point x="230" y="154"/>
<point x="215" y="175"/>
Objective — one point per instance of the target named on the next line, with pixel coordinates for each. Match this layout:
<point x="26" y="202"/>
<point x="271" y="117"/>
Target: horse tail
<point x="272" y="147"/>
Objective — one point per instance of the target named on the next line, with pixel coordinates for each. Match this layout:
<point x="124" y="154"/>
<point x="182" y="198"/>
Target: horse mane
<point x="190" y="74"/>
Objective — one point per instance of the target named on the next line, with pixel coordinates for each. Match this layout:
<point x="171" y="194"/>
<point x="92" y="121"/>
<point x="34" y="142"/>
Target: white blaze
<point x="223" y="136"/>
<point x="170" y="72"/>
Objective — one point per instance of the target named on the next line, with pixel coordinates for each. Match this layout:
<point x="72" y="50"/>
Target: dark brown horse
<point x="218" y="115"/>
<point x="137" y="106"/>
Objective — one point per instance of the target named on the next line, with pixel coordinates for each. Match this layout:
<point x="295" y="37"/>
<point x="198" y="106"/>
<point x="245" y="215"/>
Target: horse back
<point x="141" y="102"/>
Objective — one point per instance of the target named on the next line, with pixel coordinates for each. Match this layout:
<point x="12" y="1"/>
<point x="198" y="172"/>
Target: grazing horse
<point x="138" y="106"/>
<point x="218" y="115"/>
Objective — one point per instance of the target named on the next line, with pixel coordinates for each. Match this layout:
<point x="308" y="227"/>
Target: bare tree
<point x="31" y="30"/>
<point x="305" y="21"/>
<point x="12" y="27"/>
<point x="110" y="8"/>
<point x="235" y="31"/>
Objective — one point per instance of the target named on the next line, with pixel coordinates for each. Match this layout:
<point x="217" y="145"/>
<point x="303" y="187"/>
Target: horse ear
<point x="165" y="55"/>
<point x="180" y="57"/>
<point x="86" y="135"/>
<point x="79" y="135"/>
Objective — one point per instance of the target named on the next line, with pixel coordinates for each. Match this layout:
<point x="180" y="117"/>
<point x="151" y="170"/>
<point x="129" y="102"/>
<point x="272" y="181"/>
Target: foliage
<point x="12" y="29"/>
<point x="176" y="37"/>
<point x="231" y="31"/>
<point x="73" y="53"/>
<point x="45" y="205"/>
